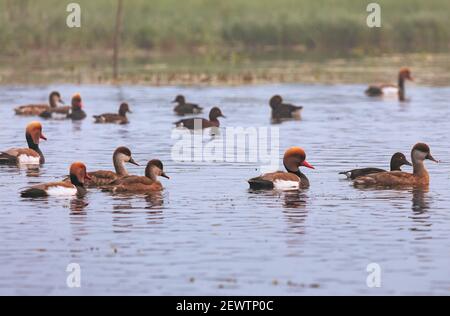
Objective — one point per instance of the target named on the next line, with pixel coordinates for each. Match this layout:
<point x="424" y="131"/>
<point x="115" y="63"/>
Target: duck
<point x="191" y="123"/>
<point x="397" y="161"/>
<point x="282" y="111"/>
<point x="117" y="118"/>
<point x="419" y="178"/>
<point x="390" y="89"/>
<point x="141" y="184"/>
<point x="293" y="179"/>
<point x="31" y="155"/>
<point x="54" y="101"/>
<point x="105" y="177"/>
<point x="184" y="108"/>
<point x="76" y="186"/>
<point x="74" y="112"/>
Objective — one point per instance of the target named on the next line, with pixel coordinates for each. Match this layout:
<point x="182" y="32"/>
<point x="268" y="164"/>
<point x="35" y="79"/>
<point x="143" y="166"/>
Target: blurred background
<point x="212" y="41"/>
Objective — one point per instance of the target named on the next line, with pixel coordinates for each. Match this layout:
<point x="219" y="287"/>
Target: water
<point x="207" y="233"/>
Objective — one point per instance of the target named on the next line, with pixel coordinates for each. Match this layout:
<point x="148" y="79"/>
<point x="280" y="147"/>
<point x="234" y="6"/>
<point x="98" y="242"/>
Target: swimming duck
<point x="117" y="118"/>
<point x="54" y="100"/>
<point x="138" y="184"/>
<point x="78" y="176"/>
<point x="419" y="177"/>
<point x="74" y="112"/>
<point x="282" y="111"/>
<point x="201" y="122"/>
<point x="30" y="155"/>
<point x="397" y="160"/>
<point x="105" y="177"/>
<point x="294" y="158"/>
<point x="183" y="108"/>
<point x="390" y="89"/>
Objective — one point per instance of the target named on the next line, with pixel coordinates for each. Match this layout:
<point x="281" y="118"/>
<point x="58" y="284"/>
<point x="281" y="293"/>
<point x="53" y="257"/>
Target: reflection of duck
<point x="183" y="108"/>
<point x="389" y="89"/>
<point x="419" y="177"/>
<point x="116" y="118"/>
<point x="78" y="176"/>
<point x="294" y="158"/>
<point x="30" y="155"/>
<point x="54" y="101"/>
<point x="282" y="111"/>
<point x="202" y="123"/>
<point x="397" y="160"/>
<point x="420" y="202"/>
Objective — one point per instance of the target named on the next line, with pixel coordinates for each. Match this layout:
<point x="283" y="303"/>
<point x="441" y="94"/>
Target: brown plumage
<point x="184" y="108"/>
<point x="78" y="176"/>
<point x="293" y="159"/>
<point x="30" y="155"/>
<point x="282" y="111"/>
<point x="202" y="123"/>
<point x="36" y="109"/>
<point x="139" y="184"/>
<point x="380" y="89"/>
<point x="419" y="177"/>
<point x="116" y="118"/>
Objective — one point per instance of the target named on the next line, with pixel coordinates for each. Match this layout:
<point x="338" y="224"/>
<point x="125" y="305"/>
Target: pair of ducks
<point x="57" y="110"/>
<point x="116" y="182"/>
<point x="295" y="157"/>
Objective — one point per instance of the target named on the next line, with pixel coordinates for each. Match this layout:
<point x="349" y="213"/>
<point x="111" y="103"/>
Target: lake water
<point x="207" y="233"/>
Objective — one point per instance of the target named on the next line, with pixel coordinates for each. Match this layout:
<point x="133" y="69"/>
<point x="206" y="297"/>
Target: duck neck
<point x="401" y="88"/>
<point x="123" y="112"/>
<point x="150" y="173"/>
<point x="53" y="104"/>
<point x="35" y="147"/>
<point x="74" y="180"/>
<point x="304" y="182"/>
<point x="395" y="166"/>
<point x="419" y="169"/>
<point x="119" y="166"/>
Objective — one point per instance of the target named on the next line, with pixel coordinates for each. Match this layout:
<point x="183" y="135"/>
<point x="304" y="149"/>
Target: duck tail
<point x="260" y="184"/>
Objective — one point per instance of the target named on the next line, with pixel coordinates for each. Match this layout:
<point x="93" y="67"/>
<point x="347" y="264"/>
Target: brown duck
<point x="54" y="101"/>
<point x="183" y="108"/>
<point x="282" y="111"/>
<point x="419" y="177"/>
<point x="390" y="89"/>
<point x="202" y="123"/>
<point x="116" y="118"/>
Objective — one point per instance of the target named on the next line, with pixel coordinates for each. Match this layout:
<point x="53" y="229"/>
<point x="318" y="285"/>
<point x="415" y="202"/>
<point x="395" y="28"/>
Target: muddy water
<point x="207" y="233"/>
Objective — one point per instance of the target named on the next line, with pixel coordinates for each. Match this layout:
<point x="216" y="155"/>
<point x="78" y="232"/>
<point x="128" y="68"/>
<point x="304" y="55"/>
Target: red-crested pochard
<point x="183" y="108"/>
<point x="78" y="176"/>
<point x="390" y="89"/>
<point x="121" y="156"/>
<point x="419" y="177"/>
<point x="282" y="111"/>
<point x="139" y="184"/>
<point x="201" y="123"/>
<point x="115" y="118"/>
<point x="74" y="112"/>
<point x="30" y="155"/>
<point x="54" y="101"/>
<point x="397" y="161"/>
<point x="294" y="158"/>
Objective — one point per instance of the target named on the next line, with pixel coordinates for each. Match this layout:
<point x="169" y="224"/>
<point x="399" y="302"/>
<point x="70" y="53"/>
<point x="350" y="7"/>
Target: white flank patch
<point x="28" y="160"/>
<point x="61" y="191"/>
<point x="59" y="116"/>
<point x="286" y="185"/>
<point x="390" y="91"/>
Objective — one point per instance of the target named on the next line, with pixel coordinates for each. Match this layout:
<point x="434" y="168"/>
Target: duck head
<point x="275" y="101"/>
<point x="124" y="109"/>
<point x="77" y="102"/>
<point x="54" y="99"/>
<point x="398" y="160"/>
<point x="215" y="113"/>
<point x="34" y="133"/>
<point x="78" y="174"/>
<point x="405" y="74"/>
<point x="179" y="99"/>
<point x="123" y="154"/>
<point x="155" y="169"/>
<point x="294" y="158"/>
<point x="421" y="152"/>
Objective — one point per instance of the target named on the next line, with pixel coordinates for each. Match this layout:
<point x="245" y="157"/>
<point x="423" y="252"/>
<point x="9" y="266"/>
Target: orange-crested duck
<point x="140" y="184"/>
<point x="54" y="101"/>
<point x="201" y="123"/>
<point x="390" y="89"/>
<point x="121" y="156"/>
<point x="183" y="108"/>
<point x="30" y="155"/>
<point x="78" y="176"/>
<point x="116" y="118"/>
<point x="397" y="161"/>
<point x="419" y="177"/>
<point x="294" y="158"/>
<point x="283" y="111"/>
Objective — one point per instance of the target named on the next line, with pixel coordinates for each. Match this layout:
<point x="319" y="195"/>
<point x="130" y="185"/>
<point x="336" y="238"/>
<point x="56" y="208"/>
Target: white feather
<point x="286" y="185"/>
<point x="390" y="91"/>
<point x="28" y="160"/>
<point x="61" y="191"/>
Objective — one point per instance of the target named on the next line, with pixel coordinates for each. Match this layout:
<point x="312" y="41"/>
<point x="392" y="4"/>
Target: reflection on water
<point x="206" y="233"/>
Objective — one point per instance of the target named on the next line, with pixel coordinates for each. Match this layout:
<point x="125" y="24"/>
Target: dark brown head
<point x="77" y="101"/>
<point x="398" y="160"/>
<point x="405" y="74"/>
<point x="215" y="113"/>
<point x="34" y="132"/>
<point x="124" y="154"/>
<point x="54" y="99"/>
<point x="179" y="99"/>
<point x="420" y="152"/>
<point x="78" y="173"/>
<point x="294" y="158"/>
<point x="155" y="169"/>
<point x="124" y="109"/>
<point x="275" y="101"/>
